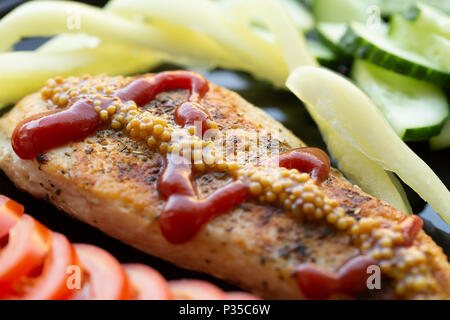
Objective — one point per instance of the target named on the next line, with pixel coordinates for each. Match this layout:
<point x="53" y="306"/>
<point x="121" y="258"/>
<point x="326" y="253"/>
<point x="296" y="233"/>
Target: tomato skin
<point x="148" y="283"/>
<point x="10" y="213"/>
<point x="106" y="279"/>
<point x="238" y="295"/>
<point x="52" y="284"/>
<point x="28" y="245"/>
<point x="186" y="289"/>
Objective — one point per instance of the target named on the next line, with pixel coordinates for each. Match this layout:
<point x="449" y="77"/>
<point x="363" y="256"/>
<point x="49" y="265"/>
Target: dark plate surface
<point x="283" y="106"/>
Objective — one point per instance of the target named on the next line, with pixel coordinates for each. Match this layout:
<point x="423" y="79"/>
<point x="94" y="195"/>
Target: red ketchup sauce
<point x="310" y="160"/>
<point x="184" y="213"/>
<point x="52" y="129"/>
<point x="351" y="278"/>
<point x="189" y="113"/>
<point x="142" y="91"/>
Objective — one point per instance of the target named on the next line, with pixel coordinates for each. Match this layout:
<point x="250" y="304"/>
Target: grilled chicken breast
<point x="109" y="180"/>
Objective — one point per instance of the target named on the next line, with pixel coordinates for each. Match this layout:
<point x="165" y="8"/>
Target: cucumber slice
<point x="339" y="10"/>
<point x="376" y="47"/>
<point x="431" y="30"/>
<point x="359" y="10"/>
<point x="322" y="53"/>
<point x="416" y="110"/>
<point x="397" y="6"/>
<point x="442" y="141"/>
<point x="330" y="34"/>
<point x="429" y="19"/>
<point x="348" y="111"/>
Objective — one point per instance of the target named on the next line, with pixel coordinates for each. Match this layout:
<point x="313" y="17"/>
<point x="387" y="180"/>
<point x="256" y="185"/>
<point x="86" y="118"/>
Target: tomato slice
<point x="238" y="295"/>
<point x="186" y="289"/>
<point x="105" y="279"/>
<point x="28" y="245"/>
<point x="10" y="213"/>
<point x="148" y="284"/>
<point x="52" y="283"/>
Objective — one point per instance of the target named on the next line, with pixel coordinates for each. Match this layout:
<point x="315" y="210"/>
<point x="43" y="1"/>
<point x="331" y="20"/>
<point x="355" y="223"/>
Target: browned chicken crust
<point x="109" y="181"/>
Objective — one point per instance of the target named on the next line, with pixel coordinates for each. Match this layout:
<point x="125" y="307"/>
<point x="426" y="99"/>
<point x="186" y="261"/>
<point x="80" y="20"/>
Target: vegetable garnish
<point x="28" y="244"/>
<point x="10" y="213"/>
<point x="351" y="113"/>
<point x="196" y="290"/>
<point x="415" y="109"/>
<point x="68" y="54"/>
<point x="104" y="277"/>
<point x="51" y="283"/>
<point x="39" y="264"/>
<point x="368" y="175"/>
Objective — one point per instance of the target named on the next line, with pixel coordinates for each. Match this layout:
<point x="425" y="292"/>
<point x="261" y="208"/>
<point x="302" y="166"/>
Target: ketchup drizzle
<point x="184" y="213"/>
<point x="52" y="129"/>
<point x="143" y="91"/>
<point x="311" y="160"/>
<point x="318" y="283"/>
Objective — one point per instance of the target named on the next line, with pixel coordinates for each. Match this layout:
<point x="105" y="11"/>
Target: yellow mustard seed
<point x="199" y="166"/>
<point x="308" y="196"/>
<point x="255" y="188"/>
<point x="166" y="136"/>
<point x="332" y="218"/>
<point x="232" y="166"/>
<point x="174" y="148"/>
<point x="277" y="187"/>
<point x="151" y="141"/>
<point x="134" y="132"/>
<point x="111" y="109"/>
<point x="271" y="197"/>
<point x="308" y="208"/>
<point x="115" y="124"/>
<point x="104" y="115"/>
<point x="158" y="129"/>
<point x="318" y="213"/>
<point x="163" y="146"/>
<point x="63" y="100"/>
<point x="160" y="121"/>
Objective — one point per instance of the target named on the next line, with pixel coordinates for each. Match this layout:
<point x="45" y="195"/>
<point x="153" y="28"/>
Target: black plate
<point x="283" y="106"/>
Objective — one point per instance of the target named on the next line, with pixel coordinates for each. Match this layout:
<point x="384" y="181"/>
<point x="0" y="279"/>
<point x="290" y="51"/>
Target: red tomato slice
<point x="10" y="213"/>
<point x="196" y="290"/>
<point x="238" y="295"/>
<point x="106" y="279"/>
<point x="52" y="283"/>
<point x="28" y="245"/>
<point x="148" y="284"/>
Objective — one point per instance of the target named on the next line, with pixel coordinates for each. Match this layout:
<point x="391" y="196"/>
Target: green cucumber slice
<point x="396" y="6"/>
<point x="376" y="47"/>
<point x="431" y="30"/>
<point x="416" y="110"/>
<point x="330" y="34"/>
<point x="360" y="10"/>
<point x="339" y="10"/>
<point x="429" y="19"/>
<point x="325" y="56"/>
